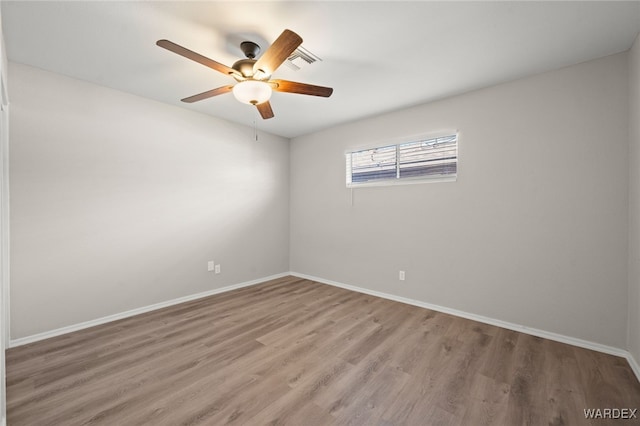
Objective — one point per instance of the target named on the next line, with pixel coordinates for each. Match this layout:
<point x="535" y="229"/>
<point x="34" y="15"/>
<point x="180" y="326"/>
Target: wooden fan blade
<point x="265" y="110"/>
<point x="189" y="54"/>
<point x="277" y="53"/>
<point x="301" y="88"/>
<point x="208" y="94"/>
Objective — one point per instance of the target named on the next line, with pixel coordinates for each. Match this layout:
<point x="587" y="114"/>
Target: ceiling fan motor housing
<point x="244" y="67"/>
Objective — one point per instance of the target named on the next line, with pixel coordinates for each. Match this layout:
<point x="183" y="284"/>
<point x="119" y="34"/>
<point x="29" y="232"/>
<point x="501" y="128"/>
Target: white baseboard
<point x="491" y="321"/>
<point x="634" y="365"/>
<point x="137" y="311"/>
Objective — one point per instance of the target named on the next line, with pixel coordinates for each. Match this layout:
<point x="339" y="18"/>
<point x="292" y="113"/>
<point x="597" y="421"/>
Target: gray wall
<point x="634" y="200"/>
<point x="118" y="202"/>
<point x="533" y="232"/>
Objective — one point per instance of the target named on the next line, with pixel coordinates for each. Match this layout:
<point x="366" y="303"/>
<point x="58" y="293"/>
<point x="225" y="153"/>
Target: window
<point x="415" y="161"/>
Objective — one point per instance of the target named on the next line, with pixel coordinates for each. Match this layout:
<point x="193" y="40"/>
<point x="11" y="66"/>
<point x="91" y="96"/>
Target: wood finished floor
<point x="295" y="352"/>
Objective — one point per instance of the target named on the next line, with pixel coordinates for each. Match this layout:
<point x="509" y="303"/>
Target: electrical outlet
<point x="401" y="276"/>
<point x="210" y="265"/>
<point x="217" y="269"/>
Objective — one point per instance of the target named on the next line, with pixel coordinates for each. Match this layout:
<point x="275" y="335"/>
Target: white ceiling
<point x="378" y="56"/>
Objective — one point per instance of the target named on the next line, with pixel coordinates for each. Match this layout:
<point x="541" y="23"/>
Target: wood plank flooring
<point x="296" y="352"/>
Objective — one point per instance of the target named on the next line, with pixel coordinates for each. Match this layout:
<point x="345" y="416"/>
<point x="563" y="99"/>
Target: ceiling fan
<point x="253" y="77"/>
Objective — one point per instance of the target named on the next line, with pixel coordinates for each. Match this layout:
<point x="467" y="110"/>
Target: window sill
<point x="405" y="181"/>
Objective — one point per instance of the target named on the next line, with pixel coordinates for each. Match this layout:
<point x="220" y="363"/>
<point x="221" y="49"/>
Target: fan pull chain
<point x="255" y="130"/>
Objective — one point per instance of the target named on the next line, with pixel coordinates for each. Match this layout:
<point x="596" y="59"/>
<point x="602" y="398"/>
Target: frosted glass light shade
<point x="252" y="92"/>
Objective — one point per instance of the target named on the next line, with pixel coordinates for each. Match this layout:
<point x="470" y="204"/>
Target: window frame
<point x="452" y="177"/>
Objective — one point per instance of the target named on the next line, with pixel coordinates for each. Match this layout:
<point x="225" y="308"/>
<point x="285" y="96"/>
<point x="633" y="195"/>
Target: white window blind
<point x="416" y="160"/>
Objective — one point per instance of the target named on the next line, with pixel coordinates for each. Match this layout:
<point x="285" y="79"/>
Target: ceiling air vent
<point x="300" y="58"/>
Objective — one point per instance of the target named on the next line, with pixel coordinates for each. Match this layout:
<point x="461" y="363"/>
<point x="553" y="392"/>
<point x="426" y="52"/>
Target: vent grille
<point x="300" y="58"/>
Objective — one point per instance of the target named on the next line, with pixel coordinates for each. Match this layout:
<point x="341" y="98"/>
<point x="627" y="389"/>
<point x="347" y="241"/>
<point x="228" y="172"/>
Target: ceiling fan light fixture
<point x="252" y="92"/>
